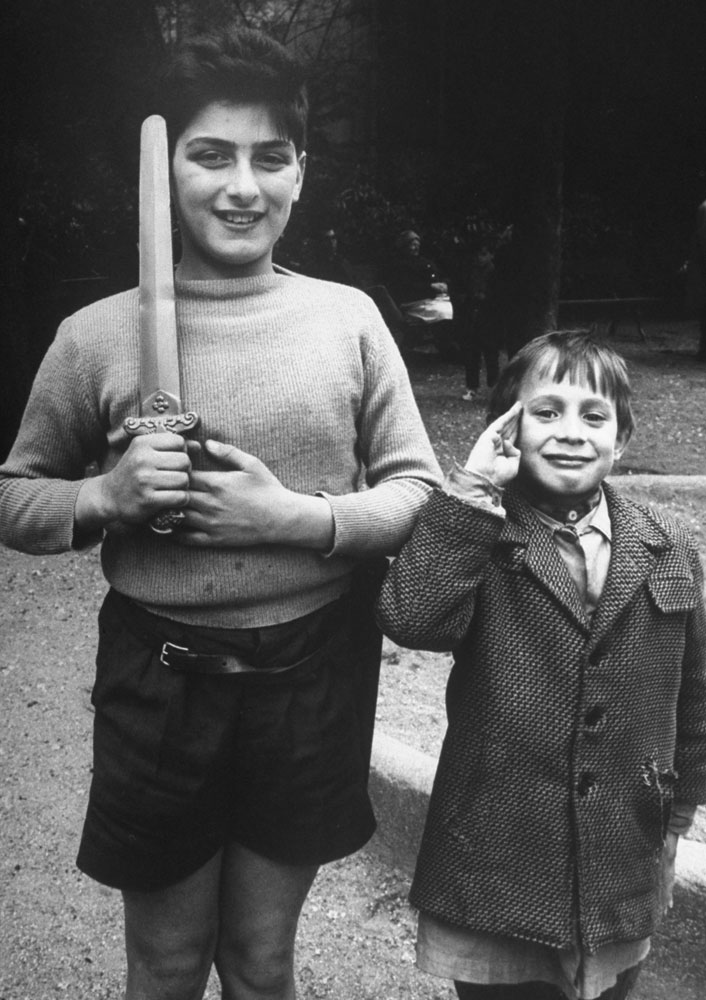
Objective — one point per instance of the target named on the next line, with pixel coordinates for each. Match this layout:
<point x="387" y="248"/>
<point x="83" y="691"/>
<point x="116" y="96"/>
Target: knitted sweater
<point x="299" y="372"/>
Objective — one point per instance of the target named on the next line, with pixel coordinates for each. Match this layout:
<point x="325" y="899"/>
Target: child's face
<point x="235" y="182"/>
<point x="568" y="438"/>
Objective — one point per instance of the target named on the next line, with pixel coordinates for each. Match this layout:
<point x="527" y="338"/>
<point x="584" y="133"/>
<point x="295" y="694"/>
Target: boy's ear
<point x="621" y="443"/>
<point x="301" y="166"/>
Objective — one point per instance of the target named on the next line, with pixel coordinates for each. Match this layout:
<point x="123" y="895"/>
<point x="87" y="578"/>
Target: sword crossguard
<point x="177" y="423"/>
<point x="166" y="521"/>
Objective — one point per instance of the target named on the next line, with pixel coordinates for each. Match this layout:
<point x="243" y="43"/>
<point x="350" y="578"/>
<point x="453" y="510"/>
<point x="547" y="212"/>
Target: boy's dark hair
<point x="239" y="65"/>
<point x="577" y="355"/>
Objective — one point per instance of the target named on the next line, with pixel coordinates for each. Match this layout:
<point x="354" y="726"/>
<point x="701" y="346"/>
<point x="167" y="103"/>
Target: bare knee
<point x="168" y="966"/>
<point x="170" y="937"/>
<point x="249" y="970"/>
<point x="261" y="900"/>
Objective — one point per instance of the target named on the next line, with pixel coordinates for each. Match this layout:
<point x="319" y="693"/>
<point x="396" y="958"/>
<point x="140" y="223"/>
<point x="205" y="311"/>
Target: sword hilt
<point x="166" y="521"/>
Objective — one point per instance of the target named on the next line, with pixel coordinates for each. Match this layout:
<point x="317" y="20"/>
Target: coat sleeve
<point x="428" y="597"/>
<point x="690" y="762"/>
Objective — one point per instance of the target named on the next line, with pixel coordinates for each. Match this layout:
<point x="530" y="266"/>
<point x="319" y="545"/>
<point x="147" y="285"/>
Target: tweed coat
<point x="567" y="739"/>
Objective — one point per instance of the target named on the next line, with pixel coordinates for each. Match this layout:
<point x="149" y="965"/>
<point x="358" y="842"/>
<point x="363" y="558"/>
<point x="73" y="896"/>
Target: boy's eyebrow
<point x="266" y="144"/>
<point x="551" y="398"/>
<point x="547" y="397"/>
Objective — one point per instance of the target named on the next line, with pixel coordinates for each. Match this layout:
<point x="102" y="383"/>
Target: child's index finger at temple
<point x="506" y="424"/>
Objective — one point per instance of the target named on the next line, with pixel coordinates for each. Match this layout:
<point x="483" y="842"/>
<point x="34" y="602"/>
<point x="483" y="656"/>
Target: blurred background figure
<point x="409" y="276"/>
<point x="479" y="337"/>
<point x="420" y="293"/>
<point x="326" y="261"/>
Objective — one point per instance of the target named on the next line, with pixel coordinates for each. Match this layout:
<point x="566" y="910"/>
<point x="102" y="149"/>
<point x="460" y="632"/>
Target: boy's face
<point x="568" y="438"/>
<point x="235" y="182"/>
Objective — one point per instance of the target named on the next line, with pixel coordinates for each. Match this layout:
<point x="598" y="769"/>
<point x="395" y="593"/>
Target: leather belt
<point x="185" y="660"/>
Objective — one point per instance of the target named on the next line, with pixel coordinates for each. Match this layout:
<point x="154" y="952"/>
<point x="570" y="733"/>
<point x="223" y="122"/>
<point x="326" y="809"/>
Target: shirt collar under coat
<point x="597" y="519"/>
<point x="637" y="542"/>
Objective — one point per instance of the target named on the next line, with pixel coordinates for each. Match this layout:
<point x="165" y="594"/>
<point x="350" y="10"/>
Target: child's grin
<point x="568" y="438"/>
<point x="235" y="181"/>
<point x="239" y="219"/>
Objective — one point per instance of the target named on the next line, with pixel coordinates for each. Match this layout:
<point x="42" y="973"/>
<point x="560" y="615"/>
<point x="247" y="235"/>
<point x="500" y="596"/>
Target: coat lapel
<point x="637" y="543"/>
<point x="541" y="558"/>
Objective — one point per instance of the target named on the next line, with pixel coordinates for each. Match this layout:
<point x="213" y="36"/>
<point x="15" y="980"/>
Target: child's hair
<point x="577" y="355"/>
<point x="239" y="65"/>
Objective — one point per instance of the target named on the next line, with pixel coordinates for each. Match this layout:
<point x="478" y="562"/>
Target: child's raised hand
<point x="494" y="454"/>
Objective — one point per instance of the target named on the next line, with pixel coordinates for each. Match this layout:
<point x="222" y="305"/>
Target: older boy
<point x="236" y="674"/>
<point x="576" y="745"/>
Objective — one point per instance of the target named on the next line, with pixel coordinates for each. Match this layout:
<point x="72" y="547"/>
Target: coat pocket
<point x="654" y="802"/>
<point x="673" y="594"/>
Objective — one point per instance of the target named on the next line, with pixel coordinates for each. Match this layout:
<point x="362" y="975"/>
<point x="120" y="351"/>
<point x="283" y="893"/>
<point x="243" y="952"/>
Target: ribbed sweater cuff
<point x="55" y="531"/>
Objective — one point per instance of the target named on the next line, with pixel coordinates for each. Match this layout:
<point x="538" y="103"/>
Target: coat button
<point x="587" y="783"/>
<point x="594" y="716"/>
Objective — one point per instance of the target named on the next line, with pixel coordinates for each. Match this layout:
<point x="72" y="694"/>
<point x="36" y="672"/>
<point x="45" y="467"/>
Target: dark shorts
<point x="185" y="762"/>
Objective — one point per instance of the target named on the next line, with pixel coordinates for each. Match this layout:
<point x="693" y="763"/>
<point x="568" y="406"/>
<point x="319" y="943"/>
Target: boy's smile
<point x="568" y="438"/>
<point x="235" y="181"/>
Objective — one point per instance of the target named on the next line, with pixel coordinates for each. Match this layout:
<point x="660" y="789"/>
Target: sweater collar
<point x="228" y="288"/>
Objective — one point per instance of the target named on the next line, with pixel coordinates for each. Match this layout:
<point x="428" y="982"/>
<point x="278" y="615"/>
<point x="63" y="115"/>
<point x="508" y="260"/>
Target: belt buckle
<point x="171" y="647"/>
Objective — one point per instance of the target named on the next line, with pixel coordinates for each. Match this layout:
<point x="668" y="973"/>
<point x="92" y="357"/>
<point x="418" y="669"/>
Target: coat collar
<point x="541" y="557"/>
<point x="637" y="542"/>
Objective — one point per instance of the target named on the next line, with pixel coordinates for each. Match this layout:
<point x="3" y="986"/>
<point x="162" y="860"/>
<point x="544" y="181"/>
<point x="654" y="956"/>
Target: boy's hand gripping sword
<point x="160" y="392"/>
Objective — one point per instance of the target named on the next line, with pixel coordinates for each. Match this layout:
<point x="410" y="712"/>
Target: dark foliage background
<point x="579" y="122"/>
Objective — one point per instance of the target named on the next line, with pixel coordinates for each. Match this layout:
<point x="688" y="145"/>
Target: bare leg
<point x="260" y="905"/>
<point x="170" y="937"/>
<point x="625" y="983"/>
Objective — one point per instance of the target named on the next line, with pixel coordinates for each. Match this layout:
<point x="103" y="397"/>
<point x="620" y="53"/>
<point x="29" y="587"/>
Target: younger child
<point x="576" y="745"/>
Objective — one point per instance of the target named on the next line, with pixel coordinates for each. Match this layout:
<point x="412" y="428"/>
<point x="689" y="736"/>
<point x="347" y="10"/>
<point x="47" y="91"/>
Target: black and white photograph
<point x="353" y="500"/>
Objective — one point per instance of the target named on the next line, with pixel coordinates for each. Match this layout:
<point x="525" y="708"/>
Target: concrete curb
<point x="400" y="783"/>
<point x="648" y="488"/>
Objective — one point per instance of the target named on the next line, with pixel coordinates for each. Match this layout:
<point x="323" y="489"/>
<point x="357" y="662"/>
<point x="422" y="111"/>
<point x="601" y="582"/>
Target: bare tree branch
<point x="297" y="7"/>
<point x="327" y="30"/>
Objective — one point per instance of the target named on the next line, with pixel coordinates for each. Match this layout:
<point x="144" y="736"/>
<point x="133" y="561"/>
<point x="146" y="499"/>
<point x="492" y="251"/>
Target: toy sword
<point x="160" y="391"/>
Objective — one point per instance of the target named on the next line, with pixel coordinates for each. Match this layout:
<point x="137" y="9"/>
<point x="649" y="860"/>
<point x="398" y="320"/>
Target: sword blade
<point x="160" y="392"/>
